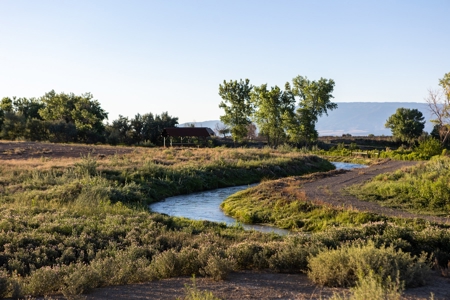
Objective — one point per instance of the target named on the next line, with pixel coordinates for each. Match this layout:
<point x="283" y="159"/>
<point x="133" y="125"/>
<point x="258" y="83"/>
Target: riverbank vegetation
<point x="283" y="203"/>
<point x="70" y="225"/>
<point x="423" y="188"/>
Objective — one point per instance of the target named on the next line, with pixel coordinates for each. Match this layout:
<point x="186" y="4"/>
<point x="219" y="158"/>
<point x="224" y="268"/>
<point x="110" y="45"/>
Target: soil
<point x="328" y="187"/>
<point x="245" y="284"/>
<point x="29" y="150"/>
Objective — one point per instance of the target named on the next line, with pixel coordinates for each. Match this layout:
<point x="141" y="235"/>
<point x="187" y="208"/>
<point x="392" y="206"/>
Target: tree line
<point x="61" y="117"/>
<point x="273" y="109"/>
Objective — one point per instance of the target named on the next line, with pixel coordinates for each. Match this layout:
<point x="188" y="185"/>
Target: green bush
<point x="44" y="281"/>
<point x="422" y="188"/>
<point x="373" y="287"/>
<point x="340" y="267"/>
<point x="217" y="267"/>
<point x="429" y="147"/>
<point x="4" y="284"/>
<point x="193" y="293"/>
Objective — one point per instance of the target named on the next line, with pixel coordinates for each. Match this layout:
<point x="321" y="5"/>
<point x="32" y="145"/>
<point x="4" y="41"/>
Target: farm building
<point x="186" y="135"/>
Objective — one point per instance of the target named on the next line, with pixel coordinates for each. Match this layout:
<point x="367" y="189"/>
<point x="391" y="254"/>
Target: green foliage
<point x="141" y="130"/>
<point x="193" y="293"/>
<point x="373" y="286"/>
<point x="340" y="267"/>
<point x="274" y="111"/>
<point x="70" y="229"/>
<point x="315" y="100"/>
<point x="237" y="106"/>
<point x="421" y="188"/>
<point x="84" y="113"/>
<point x="64" y="118"/>
<point x="4" y="284"/>
<point x="429" y="147"/>
<point x="283" y="204"/>
<point x="406" y="124"/>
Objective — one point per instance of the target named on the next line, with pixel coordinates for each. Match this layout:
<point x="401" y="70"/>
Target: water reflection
<point x="206" y="206"/>
<point x="347" y="166"/>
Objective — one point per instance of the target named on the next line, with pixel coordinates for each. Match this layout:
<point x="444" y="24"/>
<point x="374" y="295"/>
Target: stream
<point x="206" y="205"/>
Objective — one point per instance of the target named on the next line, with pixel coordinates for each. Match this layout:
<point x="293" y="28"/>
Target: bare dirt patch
<point x="10" y="150"/>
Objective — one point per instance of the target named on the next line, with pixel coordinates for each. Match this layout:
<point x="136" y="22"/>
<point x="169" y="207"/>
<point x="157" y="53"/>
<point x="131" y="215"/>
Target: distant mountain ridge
<point x="355" y="118"/>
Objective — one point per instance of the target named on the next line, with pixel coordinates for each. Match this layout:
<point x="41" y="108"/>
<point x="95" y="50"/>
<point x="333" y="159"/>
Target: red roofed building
<point x="186" y="132"/>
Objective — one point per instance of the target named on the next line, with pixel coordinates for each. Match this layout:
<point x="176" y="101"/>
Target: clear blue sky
<point x="155" y="56"/>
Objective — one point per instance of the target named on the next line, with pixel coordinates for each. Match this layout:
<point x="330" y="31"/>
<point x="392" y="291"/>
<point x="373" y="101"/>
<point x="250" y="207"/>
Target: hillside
<point x="356" y="118"/>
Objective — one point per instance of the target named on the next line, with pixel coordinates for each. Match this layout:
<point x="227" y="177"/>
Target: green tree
<point x="406" y="124"/>
<point x="13" y="126"/>
<point x="82" y="111"/>
<point x="29" y="108"/>
<point x="147" y="127"/>
<point x="237" y="106"/>
<point x="302" y="129"/>
<point x="6" y="106"/>
<point x="274" y="110"/>
<point x="314" y="101"/>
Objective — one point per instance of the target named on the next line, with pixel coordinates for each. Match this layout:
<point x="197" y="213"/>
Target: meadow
<point x="70" y="225"/>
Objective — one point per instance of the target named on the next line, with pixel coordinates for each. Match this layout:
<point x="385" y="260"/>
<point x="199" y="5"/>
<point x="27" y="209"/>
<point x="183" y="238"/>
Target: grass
<point x="283" y="203"/>
<point x="70" y="225"/>
<point x="423" y="188"/>
<point x="149" y="175"/>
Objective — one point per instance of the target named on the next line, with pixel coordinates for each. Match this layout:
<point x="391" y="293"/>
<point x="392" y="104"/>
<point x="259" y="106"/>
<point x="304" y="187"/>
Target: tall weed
<point x="341" y="267"/>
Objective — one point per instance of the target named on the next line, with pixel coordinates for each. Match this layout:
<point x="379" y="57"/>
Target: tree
<point x="406" y="124"/>
<point x="29" y="108"/>
<point x="237" y="106"/>
<point x="83" y="112"/>
<point x="251" y="131"/>
<point x="141" y="128"/>
<point x="314" y="101"/>
<point x="439" y="105"/>
<point x="222" y="129"/>
<point x="275" y="108"/>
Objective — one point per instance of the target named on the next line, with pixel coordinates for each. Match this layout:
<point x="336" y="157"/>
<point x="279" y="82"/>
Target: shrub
<point x="44" y="281"/>
<point x="193" y="293"/>
<point x="373" y="287"/>
<point x="247" y="255"/>
<point x="79" y="279"/>
<point x="217" y="267"/>
<point x="290" y="258"/>
<point x="164" y="265"/>
<point x="340" y="267"/>
<point x="4" y="284"/>
<point x="429" y="147"/>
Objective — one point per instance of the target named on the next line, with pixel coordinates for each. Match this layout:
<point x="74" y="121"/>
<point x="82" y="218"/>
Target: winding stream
<point x="206" y="205"/>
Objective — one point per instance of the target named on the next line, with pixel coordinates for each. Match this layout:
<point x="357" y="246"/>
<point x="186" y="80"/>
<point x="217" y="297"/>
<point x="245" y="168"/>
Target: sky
<point x="156" y="56"/>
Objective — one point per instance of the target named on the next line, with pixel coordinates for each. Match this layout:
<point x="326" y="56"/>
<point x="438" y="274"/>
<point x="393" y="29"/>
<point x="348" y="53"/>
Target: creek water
<point x="206" y="205"/>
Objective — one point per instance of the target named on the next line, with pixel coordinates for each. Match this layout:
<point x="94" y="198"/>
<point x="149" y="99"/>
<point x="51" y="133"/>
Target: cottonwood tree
<point x="406" y="124"/>
<point x="82" y="111"/>
<point x="237" y="106"/>
<point x="314" y="101"/>
<point x="274" y="111"/>
<point x="439" y="106"/>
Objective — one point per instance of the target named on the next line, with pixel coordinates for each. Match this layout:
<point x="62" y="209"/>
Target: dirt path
<point x="330" y="190"/>
<point x="253" y="285"/>
<point x="12" y="150"/>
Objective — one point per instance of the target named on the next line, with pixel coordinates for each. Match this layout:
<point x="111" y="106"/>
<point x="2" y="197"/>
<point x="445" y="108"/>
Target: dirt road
<point x="330" y="190"/>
